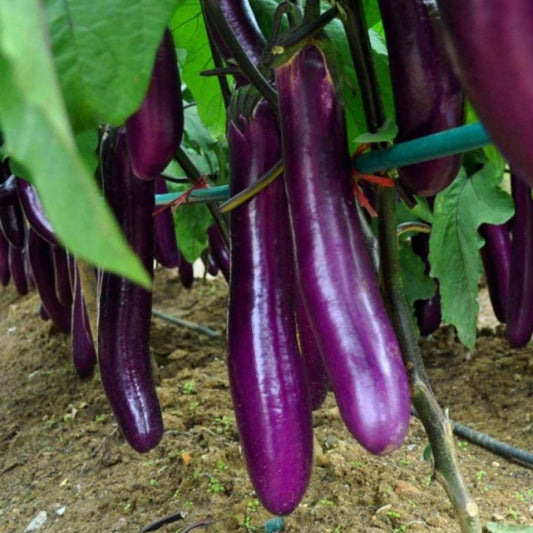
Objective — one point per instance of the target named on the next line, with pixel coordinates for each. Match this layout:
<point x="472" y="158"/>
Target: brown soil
<point x="61" y="452"/>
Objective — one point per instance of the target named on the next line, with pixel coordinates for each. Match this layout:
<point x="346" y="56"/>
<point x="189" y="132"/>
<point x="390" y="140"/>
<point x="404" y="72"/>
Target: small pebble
<point x="38" y="522"/>
<point x="274" y="525"/>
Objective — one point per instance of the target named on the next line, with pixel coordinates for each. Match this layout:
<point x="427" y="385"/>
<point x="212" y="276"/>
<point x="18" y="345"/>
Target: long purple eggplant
<point x="83" y="351"/>
<point x="33" y="210"/>
<point x="155" y="130"/>
<point x="317" y="376"/>
<point x="496" y="256"/>
<point x="267" y="377"/>
<point x="219" y="250"/>
<point x="125" y="308"/>
<point x="491" y="46"/>
<point x="62" y="276"/>
<point x="18" y="269"/>
<point x="166" y="247"/>
<point x="5" y="274"/>
<point x="11" y="217"/>
<point x="336" y="278"/>
<point x="40" y="257"/>
<point x="427" y="312"/>
<point x="243" y="23"/>
<point x="519" y="305"/>
<point x="427" y="95"/>
<point x="186" y="272"/>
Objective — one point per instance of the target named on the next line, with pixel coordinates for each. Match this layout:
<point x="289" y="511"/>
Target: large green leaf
<point x="38" y="137"/>
<point x="191" y="223"/>
<point x="189" y="32"/>
<point x="104" y="52"/>
<point x="455" y="242"/>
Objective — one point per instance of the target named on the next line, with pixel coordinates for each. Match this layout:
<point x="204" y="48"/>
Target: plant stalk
<point x="436" y="424"/>
<point x="188" y="166"/>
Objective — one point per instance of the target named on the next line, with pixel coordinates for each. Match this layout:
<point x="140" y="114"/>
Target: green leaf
<point x="39" y="139"/>
<point x="191" y="223"/>
<point x="455" y="242"/>
<point x="104" y="52"/>
<point x="189" y="32"/>
<point x="387" y="132"/>
<point x="417" y="285"/>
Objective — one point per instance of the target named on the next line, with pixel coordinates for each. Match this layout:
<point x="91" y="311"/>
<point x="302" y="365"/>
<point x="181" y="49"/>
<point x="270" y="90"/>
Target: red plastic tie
<point x="200" y="183"/>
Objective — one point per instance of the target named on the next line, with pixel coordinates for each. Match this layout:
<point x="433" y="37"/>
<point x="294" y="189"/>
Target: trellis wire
<point x="453" y="141"/>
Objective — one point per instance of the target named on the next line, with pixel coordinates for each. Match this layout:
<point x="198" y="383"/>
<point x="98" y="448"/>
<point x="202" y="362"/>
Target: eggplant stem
<point x="416" y="226"/>
<point x="248" y="193"/>
<point x="436" y="424"/>
<point x="217" y="60"/>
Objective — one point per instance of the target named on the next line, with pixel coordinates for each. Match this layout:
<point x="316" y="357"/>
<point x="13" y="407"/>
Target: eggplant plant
<point x="265" y="101"/>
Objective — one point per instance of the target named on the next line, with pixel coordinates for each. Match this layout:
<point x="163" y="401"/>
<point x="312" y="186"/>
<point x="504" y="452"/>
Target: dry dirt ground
<point x="61" y="453"/>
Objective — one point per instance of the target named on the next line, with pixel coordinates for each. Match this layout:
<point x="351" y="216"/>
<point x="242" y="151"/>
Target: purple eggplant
<point x="5" y="274"/>
<point x="427" y="312"/>
<point x="491" y="47"/>
<point x="210" y="264"/>
<point x="427" y="95"/>
<point x="496" y="256"/>
<point x="267" y="376"/>
<point x="219" y="250"/>
<point x="166" y="247"/>
<point x="11" y="217"/>
<point x="40" y="257"/>
<point x="62" y="276"/>
<point x="317" y="376"/>
<point x="339" y="289"/>
<point x="154" y="132"/>
<point x="33" y="210"/>
<point x="519" y="305"/>
<point x="18" y="269"/>
<point x="243" y="23"/>
<point x="83" y="351"/>
<point x="186" y="272"/>
<point x="125" y="308"/>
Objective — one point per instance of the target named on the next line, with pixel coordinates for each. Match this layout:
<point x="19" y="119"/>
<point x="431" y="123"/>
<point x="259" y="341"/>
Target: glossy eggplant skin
<point x="219" y="250"/>
<point x="241" y="19"/>
<point x="267" y="376"/>
<point x="334" y="272"/>
<point x="125" y="308"/>
<point x="18" y="269"/>
<point x="83" y="350"/>
<point x="166" y="247"/>
<point x="427" y="94"/>
<point x="491" y="47"/>
<point x="40" y="257"/>
<point x="519" y="305"/>
<point x="156" y="129"/>
<point x="33" y="210"/>
<point x="496" y="256"/>
<point x="5" y="274"/>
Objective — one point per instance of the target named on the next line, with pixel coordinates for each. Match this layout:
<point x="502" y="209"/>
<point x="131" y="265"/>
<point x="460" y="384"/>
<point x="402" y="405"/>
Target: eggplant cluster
<point x="31" y="256"/>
